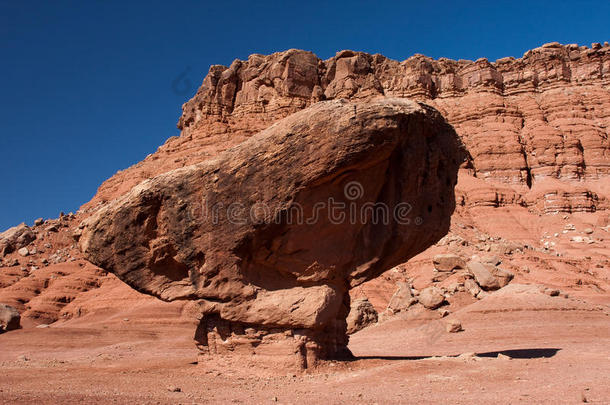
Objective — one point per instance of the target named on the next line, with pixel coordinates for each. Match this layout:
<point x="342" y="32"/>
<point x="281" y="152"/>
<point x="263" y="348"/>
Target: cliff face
<point x="536" y="127"/>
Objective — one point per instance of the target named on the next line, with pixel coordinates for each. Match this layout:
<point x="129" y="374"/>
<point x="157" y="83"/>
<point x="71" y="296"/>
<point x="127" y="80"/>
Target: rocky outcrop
<point x="269" y="236"/>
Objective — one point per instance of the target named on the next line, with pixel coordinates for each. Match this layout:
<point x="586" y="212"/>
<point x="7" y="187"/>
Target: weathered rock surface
<point x="504" y="277"/>
<point x="253" y="234"/>
<point x="361" y="314"/>
<point x="9" y="318"/>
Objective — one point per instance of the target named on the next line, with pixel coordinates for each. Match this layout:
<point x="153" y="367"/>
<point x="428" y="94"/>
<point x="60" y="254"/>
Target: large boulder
<point x="269" y="236"/>
<point x="9" y="318"/>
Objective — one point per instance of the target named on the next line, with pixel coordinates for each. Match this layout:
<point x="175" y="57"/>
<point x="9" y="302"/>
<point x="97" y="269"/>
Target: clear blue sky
<point x="86" y="86"/>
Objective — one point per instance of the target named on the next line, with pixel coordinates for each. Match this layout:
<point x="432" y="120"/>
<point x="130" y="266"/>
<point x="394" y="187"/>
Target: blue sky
<point x="86" y="86"/>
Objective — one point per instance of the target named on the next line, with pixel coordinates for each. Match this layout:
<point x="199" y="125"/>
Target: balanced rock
<point x="361" y="314"/>
<point x="269" y="236"/>
<point x="9" y="318"/>
<point x="431" y="297"/>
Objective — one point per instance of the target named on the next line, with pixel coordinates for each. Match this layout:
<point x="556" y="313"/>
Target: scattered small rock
<point x="552" y="292"/>
<point x="453" y="326"/>
<point x="472" y="287"/>
<point x="23" y="252"/>
<point x="583" y="397"/>
<point x="402" y="298"/>
<point x="174" y="389"/>
<point x="431" y="297"/>
<point x="448" y="262"/>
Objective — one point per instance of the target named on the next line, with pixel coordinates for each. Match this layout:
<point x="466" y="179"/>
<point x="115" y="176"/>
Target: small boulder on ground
<point x="483" y="275"/>
<point x="23" y="251"/>
<point x="361" y="314"/>
<point x="453" y="326"/>
<point x="9" y="318"/>
<point x="448" y="262"/>
<point x="491" y="259"/>
<point x="431" y="297"/>
<point x="402" y="298"/>
<point x="504" y="277"/>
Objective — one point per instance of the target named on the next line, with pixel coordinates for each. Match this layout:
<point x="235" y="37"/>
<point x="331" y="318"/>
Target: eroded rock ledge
<point x="256" y="237"/>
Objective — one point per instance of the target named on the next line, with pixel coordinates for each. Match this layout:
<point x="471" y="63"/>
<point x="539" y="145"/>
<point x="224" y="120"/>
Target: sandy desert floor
<point x="518" y="345"/>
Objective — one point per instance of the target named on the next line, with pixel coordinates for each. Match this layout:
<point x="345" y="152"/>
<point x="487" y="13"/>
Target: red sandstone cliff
<point x="526" y="122"/>
<point x="536" y="128"/>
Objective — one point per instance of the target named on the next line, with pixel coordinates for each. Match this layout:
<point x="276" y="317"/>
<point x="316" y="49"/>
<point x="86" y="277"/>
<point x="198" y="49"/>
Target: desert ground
<point x="518" y="346"/>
